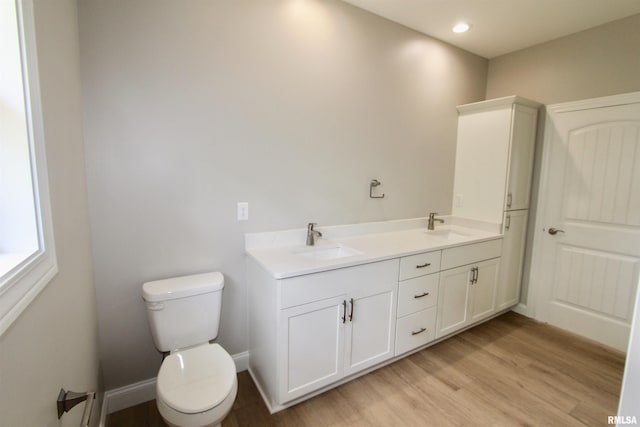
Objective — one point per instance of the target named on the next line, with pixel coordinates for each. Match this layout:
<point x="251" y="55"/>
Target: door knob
<point x="554" y="231"/>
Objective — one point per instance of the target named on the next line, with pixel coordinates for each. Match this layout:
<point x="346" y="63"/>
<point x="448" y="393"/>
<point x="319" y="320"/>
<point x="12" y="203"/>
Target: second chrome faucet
<point x="432" y="220"/>
<point x="312" y="234"/>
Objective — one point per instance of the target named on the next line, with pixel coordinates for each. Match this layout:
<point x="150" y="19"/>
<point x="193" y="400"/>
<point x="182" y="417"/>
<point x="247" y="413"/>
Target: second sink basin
<point x="447" y="234"/>
<point x="326" y="252"/>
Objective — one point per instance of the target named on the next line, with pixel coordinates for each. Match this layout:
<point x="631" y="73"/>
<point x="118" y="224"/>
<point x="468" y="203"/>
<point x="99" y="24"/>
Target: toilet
<point x="197" y="382"/>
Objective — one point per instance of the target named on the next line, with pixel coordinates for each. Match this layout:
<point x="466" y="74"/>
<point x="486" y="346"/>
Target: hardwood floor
<point x="508" y="371"/>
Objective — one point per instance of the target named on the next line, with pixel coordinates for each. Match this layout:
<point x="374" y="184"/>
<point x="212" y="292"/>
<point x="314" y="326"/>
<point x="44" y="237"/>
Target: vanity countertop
<point x="284" y="254"/>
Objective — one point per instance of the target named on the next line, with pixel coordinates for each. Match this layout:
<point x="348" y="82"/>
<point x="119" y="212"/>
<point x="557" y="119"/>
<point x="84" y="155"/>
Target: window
<point x="27" y="253"/>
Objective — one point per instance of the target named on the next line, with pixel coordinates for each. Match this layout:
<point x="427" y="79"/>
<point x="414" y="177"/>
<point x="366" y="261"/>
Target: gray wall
<point x="598" y="62"/>
<point x="191" y="107"/>
<point x="54" y="342"/>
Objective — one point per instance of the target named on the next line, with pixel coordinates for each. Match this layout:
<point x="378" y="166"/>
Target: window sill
<point x="21" y="287"/>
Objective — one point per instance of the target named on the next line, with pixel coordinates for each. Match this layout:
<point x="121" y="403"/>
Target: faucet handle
<point x="432" y="214"/>
<point x="311" y="225"/>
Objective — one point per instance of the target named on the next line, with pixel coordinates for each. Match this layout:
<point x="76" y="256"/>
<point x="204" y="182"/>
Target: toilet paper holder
<point x="69" y="399"/>
<point x="373" y="184"/>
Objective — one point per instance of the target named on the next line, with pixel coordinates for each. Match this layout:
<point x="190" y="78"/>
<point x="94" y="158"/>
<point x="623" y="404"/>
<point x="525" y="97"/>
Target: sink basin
<point x="447" y="234"/>
<point x="326" y="252"/>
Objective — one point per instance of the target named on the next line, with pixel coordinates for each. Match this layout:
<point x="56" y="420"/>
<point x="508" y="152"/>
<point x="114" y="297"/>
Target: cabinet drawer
<point x="467" y="254"/>
<point x="374" y="277"/>
<point x="415" y="330"/>
<point x="417" y="294"/>
<point x="419" y="265"/>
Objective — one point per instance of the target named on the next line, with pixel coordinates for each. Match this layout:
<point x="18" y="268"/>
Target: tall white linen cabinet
<point x="494" y="166"/>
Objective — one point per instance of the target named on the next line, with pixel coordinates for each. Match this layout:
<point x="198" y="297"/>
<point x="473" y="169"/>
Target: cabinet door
<point x="513" y="243"/>
<point x="483" y="290"/>
<point x="453" y="297"/>
<point x="370" y="334"/>
<point x="523" y="134"/>
<point x="311" y="343"/>
<point x="482" y="156"/>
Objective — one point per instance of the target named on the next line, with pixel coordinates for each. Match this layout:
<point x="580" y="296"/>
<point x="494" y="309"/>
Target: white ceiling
<point x="500" y="26"/>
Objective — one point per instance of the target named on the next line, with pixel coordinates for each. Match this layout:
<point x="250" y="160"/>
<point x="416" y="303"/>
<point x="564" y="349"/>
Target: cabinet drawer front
<point x="419" y="265"/>
<point x="417" y="294"/>
<point x="377" y="276"/>
<point x="415" y="330"/>
<point x="467" y="254"/>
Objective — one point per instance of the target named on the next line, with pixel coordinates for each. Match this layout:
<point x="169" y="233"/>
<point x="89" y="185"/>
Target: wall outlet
<point x="459" y="200"/>
<point x="243" y="211"/>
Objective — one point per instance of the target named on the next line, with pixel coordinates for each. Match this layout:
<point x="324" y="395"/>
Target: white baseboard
<point x="242" y="361"/>
<point x="522" y="309"/>
<point x="144" y="391"/>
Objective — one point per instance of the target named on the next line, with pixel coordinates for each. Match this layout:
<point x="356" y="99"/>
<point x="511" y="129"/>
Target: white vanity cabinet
<point x="327" y="325"/>
<point x="467" y="286"/>
<point x="314" y="325"/>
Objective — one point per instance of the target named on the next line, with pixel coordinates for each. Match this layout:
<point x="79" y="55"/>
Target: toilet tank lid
<point x="181" y="287"/>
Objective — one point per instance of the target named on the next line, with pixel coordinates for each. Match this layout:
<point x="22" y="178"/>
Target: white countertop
<point x="280" y="253"/>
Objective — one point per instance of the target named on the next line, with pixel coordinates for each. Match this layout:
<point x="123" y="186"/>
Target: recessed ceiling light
<point x="461" y="27"/>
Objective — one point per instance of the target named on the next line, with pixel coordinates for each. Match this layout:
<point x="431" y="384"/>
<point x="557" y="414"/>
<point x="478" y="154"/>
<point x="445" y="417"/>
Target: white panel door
<point x="312" y="344"/>
<point x="588" y="231"/>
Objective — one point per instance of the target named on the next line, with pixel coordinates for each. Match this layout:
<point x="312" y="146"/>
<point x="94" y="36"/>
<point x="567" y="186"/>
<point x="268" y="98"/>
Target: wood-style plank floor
<point x="506" y="372"/>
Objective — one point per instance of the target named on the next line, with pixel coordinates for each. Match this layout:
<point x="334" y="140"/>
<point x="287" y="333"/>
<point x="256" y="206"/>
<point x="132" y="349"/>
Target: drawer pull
<point x="419" y="332"/>
<point x="423" y="265"/>
<point x="420" y="296"/>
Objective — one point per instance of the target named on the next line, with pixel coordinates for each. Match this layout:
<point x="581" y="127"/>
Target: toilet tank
<point x="184" y="311"/>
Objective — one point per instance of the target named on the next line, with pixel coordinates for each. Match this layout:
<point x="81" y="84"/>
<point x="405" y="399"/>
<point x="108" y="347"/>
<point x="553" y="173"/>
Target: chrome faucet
<point x="312" y="234"/>
<point x="432" y="219"/>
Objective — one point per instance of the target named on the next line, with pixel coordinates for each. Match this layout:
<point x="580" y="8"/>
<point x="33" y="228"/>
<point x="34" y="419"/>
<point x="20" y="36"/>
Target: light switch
<point x="243" y="211"/>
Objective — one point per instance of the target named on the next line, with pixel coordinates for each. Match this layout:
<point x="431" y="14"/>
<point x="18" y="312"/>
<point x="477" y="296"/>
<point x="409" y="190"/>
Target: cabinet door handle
<point x="420" y="296"/>
<point x="475" y="280"/>
<point x="344" y="307"/>
<point x="427" y="264"/>
<point x="419" y="331"/>
<point x="509" y="200"/>
<point x="474" y="275"/>
<point x="351" y="314"/>
<point x="507" y="222"/>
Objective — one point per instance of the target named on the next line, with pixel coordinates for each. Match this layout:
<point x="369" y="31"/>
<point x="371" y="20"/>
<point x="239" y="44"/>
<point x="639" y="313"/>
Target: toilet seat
<point x="197" y="379"/>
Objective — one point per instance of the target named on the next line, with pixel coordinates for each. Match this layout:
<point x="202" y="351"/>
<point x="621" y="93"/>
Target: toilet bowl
<point x="196" y="387"/>
<point x="197" y="382"/>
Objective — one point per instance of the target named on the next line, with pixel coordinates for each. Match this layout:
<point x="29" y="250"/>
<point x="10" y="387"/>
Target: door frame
<point x="533" y="292"/>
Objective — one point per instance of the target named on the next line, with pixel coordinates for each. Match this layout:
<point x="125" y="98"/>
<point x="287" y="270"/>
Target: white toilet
<point x="197" y="383"/>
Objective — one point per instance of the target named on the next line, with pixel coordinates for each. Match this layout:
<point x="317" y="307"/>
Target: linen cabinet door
<point x="370" y="333"/>
<point x="311" y="343"/>
<point x="521" y="152"/>
<point x="513" y="245"/>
